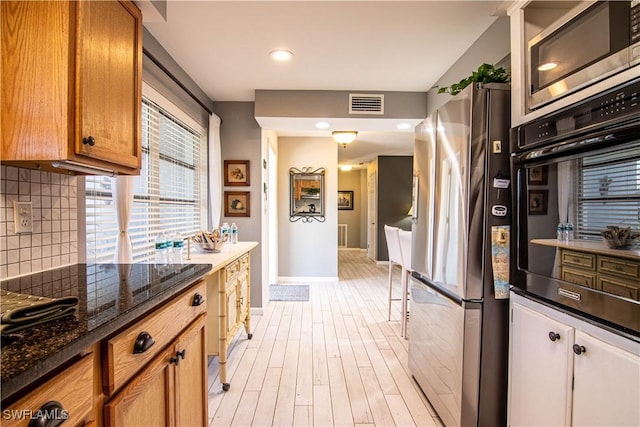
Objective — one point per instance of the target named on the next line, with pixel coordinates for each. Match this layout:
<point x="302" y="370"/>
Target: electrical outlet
<point x="22" y="217"/>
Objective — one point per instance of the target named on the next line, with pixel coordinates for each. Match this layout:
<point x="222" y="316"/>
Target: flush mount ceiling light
<point x="548" y="66"/>
<point x="403" y="126"/>
<point x="323" y="125"/>
<point x="344" y="136"/>
<point x="346" y="168"/>
<point x="281" y="54"/>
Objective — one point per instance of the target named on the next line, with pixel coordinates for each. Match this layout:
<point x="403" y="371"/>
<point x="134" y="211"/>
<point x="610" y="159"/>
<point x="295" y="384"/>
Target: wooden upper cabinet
<point x="71" y="84"/>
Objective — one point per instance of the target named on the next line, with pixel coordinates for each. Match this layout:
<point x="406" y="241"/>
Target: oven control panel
<point x="614" y="105"/>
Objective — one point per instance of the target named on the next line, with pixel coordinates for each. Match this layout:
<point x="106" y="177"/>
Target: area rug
<point x="288" y="292"/>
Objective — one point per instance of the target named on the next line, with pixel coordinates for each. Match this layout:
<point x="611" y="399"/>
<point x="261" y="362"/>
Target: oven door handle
<point x="619" y="135"/>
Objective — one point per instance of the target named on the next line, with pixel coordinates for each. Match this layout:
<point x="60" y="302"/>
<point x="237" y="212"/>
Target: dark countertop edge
<point x="585" y="317"/>
<point x="45" y="366"/>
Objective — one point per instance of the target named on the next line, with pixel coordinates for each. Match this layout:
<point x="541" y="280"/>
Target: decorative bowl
<point x="618" y="237"/>
<point x="206" y="242"/>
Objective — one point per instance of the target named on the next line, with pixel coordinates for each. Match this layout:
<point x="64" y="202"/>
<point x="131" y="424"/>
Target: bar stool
<point x="405" y="251"/>
<point x="395" y="257"/>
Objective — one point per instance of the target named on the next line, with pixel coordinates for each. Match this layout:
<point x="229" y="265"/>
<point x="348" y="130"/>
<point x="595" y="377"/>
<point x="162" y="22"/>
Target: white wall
<point x="270" y="212"/>
<point x="308" y="250"/>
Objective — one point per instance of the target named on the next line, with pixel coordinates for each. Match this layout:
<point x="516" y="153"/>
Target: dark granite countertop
<point x="111" y="296"/>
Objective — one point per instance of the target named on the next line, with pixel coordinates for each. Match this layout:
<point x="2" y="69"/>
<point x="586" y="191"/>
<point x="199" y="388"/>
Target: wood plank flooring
<point x="332" y="361"/>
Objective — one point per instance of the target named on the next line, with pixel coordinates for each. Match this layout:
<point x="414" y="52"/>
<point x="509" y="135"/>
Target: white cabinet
<point x="563" y="371"/>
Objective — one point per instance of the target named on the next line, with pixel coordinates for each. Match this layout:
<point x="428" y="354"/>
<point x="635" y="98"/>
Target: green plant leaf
<point x="486" y="73"/>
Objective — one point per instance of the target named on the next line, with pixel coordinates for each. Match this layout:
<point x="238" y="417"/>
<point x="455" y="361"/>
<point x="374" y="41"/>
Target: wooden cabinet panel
<point x="583" y="278"/>
<point x="109" y="111"/>
<point x="619" y="267"/>
<point x="579" y="259"/>
<point x="73" y="388"/>
<point x="163" y="325"/>
<point x="71" y="70"/>
<point x="619" y="287"/>
<point x="191" y="376"/>
<point x="146" y="400"/>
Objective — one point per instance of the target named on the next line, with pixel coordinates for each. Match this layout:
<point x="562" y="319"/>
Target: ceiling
<point x="338" y="45"/>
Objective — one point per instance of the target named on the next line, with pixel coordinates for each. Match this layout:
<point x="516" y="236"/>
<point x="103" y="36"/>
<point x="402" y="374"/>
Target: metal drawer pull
<point x="553" y="336"/>
<point x="197" y="300"/>
<point x="51" y="414"/>
<point x="143" y="343"/>
<point x="579" y="349"/>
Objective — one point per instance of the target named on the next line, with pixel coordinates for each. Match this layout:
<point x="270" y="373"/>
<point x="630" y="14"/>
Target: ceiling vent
<point x="366" y="104"/>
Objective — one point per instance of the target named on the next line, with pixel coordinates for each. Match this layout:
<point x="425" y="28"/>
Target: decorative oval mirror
<point x="307" y="194"/>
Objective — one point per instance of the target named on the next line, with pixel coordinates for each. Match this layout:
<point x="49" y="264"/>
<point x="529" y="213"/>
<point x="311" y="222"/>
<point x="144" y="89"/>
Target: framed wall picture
<point x="538" y="175"/>
<point x="236" y="172"/>
<point x="538" y="202"/>
<point x="236" y="203"/>
<point x="345" y="200"/>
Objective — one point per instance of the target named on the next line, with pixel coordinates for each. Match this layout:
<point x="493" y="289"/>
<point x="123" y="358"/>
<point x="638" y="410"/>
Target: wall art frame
<point x="236" y="173"/>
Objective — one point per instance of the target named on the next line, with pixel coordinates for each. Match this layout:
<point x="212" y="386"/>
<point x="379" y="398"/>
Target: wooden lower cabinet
<point x="72" y="389"/>
<point x="231" y="285"/>
<point x="169" y="391"/>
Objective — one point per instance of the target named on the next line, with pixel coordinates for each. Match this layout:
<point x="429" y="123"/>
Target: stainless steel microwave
<point x="593" y="41"/>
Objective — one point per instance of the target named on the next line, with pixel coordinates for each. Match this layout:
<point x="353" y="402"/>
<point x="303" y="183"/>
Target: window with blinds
<point x="169" y="194"/>
<point x="607" y="192"/>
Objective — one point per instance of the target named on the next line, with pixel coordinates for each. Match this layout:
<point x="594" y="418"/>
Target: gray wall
<point x="395" y="175"/>
<point x="240" y="139"/>
<point x="329" y="103"/>
<point x="492" y="47"/>
<point x="351" y="180"/>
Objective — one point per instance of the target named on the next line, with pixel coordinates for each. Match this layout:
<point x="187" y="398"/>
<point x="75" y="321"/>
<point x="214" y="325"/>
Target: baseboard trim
<point x="291" y="279"/>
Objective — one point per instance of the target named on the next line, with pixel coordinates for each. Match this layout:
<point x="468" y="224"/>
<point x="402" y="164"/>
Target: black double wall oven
<point x="575" y="172"/>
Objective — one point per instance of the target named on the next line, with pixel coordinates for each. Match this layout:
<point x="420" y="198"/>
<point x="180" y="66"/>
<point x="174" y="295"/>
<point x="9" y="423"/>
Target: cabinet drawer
<point x="72" y="388"/>
<point x="163" y="325"/>
<point x="619" y="267"/>
<point x="579" y="259"/>
<point x="619" y="287"/>
<point x="582" y="278"/>
<point x="244" y="263"/>
<point x="231" y="271"/>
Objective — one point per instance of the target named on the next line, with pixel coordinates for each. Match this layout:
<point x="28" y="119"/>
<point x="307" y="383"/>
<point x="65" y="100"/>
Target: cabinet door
<point x="243" y="283"/>
<point x="191" y="376"/>
<point x="540" y="367"/>
<point x="146" y="400"/>
<point x="606" y="379"/>
<point x="232" y="309"/>
<point x="109" y="81"/>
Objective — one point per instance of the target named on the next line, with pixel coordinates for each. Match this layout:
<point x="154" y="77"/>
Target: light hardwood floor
<point x="334" y="360"/>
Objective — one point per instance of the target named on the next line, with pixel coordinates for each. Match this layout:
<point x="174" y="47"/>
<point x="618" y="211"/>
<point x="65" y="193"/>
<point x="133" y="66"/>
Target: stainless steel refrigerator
<point x="458" y="329"/>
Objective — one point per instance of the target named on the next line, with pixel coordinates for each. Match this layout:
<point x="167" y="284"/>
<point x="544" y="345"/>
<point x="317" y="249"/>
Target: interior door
<point x="371" y="215"/>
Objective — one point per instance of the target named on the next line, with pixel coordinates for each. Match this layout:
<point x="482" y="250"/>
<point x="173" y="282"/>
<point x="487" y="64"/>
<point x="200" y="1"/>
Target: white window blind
<point x="169" y="194"/>
<point x="608" y="192"/>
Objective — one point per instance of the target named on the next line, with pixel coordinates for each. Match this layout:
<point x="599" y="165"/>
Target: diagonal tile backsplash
<point x="54" y="241"/>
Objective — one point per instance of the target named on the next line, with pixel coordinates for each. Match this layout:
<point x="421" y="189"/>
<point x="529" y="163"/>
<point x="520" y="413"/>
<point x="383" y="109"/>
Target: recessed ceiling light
<point x="403" y="126"/>
<point x="323" y="125"/>
<point x="346" y="168"/>
<point x="281" y="54"/>
<point x="548" y="66"/>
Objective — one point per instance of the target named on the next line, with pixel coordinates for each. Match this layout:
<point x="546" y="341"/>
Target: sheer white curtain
<point x="123" y="202"/>
<point x="215" y="174"/>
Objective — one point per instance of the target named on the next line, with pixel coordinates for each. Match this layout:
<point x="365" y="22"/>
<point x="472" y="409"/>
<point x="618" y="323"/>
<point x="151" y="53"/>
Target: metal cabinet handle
<point x="89" y="140"/>
<point x="579" y="349"/>
<point x="553" y="336"/>
<point x="51" y="414"/>
<point x="179" y="355"/>
<point x="197" y="300"/>
<point x="143" y="342"/>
